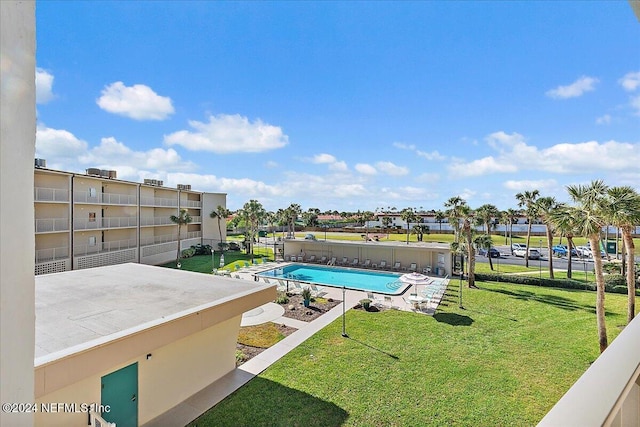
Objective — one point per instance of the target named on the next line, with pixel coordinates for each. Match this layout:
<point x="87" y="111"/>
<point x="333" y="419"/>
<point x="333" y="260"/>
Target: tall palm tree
<point x="467" y="218"/>
<point x="420" y="230"/>
<point x="453" y="206"/>
<point x="386" y="222"/>
<point x="545" y="206"/>
<point x="563" y="221"/>
<point x="623" y="211"/>
<point x="590" y="218"/>
<point x="181" y="219"/>
<point x="511" y="215"/>
<point x="485" y="214"/>
<point x="253" y="214"/>
<point x="408" y="215"/>
<point x="293" y="212"/>
<point x="484" y="241"/>
<point x="366" y="217"/>
<point x="440" y="216"/>
<point x="221" y="213"/>
<point x="527" y="200"/>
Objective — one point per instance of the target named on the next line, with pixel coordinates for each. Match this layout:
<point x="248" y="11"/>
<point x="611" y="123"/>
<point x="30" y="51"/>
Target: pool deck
<point x="202" y="401"/>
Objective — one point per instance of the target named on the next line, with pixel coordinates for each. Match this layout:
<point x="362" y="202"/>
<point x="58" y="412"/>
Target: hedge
<point x="614" y="287"/>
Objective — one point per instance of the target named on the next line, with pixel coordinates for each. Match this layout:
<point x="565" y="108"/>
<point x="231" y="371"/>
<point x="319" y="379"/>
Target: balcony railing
<point x="41" y="194"/>
<point x="161" y="220"/>
<point x="155" y="240"/>
<point x="608" y="393"/>
<point x="158" y="201"/>
<point x="54" y="254"/>
<point x="105" y="198"/>
<point x="196" y="219"/>
<point x="49" y="225"/>
<point x="193" y="234"/>
<point x="105" y="222"/>
<point x="191" y="203"/>
<point x="82" y="250"/>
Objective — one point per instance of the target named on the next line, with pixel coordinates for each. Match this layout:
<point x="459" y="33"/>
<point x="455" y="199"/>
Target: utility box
<point x="612" y="248"/>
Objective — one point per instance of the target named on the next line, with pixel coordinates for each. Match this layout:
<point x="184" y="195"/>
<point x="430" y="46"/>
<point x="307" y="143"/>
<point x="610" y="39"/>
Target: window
<point x="92" y="217"/>
<point x="92" y="240"/>
<point x="92" y="192"/>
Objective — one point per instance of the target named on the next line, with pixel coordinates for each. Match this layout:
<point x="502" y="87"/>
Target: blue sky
<point x="343" y="105"/>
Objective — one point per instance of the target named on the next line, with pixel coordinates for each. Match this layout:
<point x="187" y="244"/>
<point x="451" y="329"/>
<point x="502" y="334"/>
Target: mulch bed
<point x="294" y="309"/>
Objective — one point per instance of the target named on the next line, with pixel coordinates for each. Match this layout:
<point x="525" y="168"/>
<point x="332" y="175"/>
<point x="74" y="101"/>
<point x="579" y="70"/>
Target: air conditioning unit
<point x="184" y="186"/>
<point x="93" y="171"/>
<point x="41" y="163"/>
<point x="112" y="174"/>
<point x="154" y="182"/>
<point x="104" y="173"/>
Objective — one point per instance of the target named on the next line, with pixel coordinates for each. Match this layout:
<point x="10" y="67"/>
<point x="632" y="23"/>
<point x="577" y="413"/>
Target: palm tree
<point x="440" y="217"/>
<point x="623" y="211"/>
<point x="420" y="230"/>
<point x="590" y="218"/>
<point x="252" y="213"/>
<point x="485" y="214"/>
<point x="545" y="206"/>
<point x="484" y="241"/>
<point x="511" y="215"/>
<point x="293" y="212"/>
<point x="563" y="220"/>
<point x="467" y="217"/>
<point x="366" y="217"/>
<point x="182" y="219"/>
<point x="221" y="213"/>
<point x="408" y="215"/>
<point x="453" y="206"/>
<point x="527" y="200"/>
<point x="386" y="222"/>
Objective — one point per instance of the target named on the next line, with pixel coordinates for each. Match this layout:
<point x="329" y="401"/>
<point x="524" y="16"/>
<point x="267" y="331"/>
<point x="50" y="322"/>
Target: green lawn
<point x="232" y="260"/>
<point x="503" y="360"/>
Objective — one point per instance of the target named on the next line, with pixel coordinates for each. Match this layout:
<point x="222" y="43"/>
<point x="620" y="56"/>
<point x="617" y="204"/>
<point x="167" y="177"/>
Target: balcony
<point x="193" y="234"/>
<point x="156" y="240"/>
<point x="41" y="194"/>
<point x="53" y="254"/>
<point x="105" y="199"/>
<point x="116" y="245"/>
<point x="160" y="220"/>
<point x="196" y="219"/>
<point x="158" y="201"/>
<point x="106" y="222"/>
<point x="190" y="203"/>
<point x="50" y="225"/>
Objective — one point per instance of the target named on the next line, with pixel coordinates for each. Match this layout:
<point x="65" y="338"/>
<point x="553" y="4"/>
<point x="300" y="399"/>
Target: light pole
<point x="540" y="260"/>
<point x="344" y="302"/>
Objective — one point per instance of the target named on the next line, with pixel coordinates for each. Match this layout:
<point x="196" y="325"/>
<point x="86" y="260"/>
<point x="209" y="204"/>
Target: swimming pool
<point x="362" y="280"/>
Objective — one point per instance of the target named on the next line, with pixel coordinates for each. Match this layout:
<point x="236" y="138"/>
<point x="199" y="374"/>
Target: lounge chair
<point x="317" y="292"/>
<point x="366" y="263"/>
<point x="297" y="287"/>
<point x="300" y="258"/>
<point x="332" y="261"/>
<point x="382" y="265"/>
<point x="282" y="286"/>
<point x="287" y="258"/>
<point x="426" y="270"/>
<point x="355" y="262"/>
<point x="374" y="299"/>
<point x="344" y="261"/>
<point x="396" y="266"/>
<point x="323" y="260"/>
<point x="266" y="280"/>
<point x="312" y="258"/>
<point x="389" y="302"/>
<point x="413" y="267"/>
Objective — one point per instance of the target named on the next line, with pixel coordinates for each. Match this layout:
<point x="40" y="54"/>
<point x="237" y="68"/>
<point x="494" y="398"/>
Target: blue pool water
<point x="362" y="280"/>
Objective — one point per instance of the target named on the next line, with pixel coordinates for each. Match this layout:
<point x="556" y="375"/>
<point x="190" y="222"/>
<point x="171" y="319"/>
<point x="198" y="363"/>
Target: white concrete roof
<point x="80" y="308"/>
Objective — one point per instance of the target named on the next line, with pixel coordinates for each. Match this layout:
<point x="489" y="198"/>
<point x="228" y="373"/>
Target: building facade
<point x="94" y="219"/>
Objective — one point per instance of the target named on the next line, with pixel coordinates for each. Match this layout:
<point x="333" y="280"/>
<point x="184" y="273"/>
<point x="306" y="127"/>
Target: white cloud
<point x="434" y="155"/>
<point x="604" y="120"/>
<point x="403" y="146"/>
<point x="630" y="81"/>
<point x="138" y="102"/>
<point x="229" y="134"/>
<point x="366" y="169"/>
<point x="271" y="164"/>
<point x="44" y="86"/>
<point x="58" y="145"/>
<point x="392" y="169"/>
<point x="429" y="178"/>
<point x="323" y="158"/>
<point x="544" y="185"/>
<point x="635" y="104"/>
<point x="484" y="166"/>
<point x="575" y="89"/>
<point x="340" y="166"/>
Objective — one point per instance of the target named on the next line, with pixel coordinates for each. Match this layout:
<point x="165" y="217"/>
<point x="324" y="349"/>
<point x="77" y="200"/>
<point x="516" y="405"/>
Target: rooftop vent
<point x="184" y="186"/>
<point x="93" y="171"/>
<point x="41" y="163"/>
<point x="154" y="182"/>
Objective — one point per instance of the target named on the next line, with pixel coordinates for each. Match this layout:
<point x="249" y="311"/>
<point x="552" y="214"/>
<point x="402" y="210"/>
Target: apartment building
<point x="94" y="219"/>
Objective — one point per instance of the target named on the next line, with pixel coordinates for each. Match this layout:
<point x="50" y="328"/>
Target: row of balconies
<point x="54" y="254"/>
<point x="41" y="194"/>
<point x="49" y="225"/>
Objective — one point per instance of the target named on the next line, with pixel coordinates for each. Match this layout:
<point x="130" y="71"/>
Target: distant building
<point x="94" y="219"/>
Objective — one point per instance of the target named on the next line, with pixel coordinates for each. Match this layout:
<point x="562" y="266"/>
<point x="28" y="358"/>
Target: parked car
<point x="533" y="253"/>
<point x="491" y="253"/>
<point x="515" y="246"/>
<point x="561" y="250"/>
<point x="586" y="252"/>
<point x="310" y="237"/>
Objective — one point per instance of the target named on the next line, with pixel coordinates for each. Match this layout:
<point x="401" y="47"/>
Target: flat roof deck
<point x="79" y="309"/>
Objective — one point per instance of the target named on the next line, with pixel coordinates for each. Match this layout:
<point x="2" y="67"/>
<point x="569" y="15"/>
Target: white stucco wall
<point x="17" y="150"/>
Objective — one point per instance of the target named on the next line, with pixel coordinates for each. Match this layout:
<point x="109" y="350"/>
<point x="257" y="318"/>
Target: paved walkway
<point x="202" y="401"/>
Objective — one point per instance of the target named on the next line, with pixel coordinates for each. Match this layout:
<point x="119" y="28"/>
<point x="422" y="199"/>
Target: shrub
<point x="282" y="298"/>
<point x="613" y="280"/>
<point x="619" y="289"/>
<point x="306" y="294"/>
<point x="188" y="253"/>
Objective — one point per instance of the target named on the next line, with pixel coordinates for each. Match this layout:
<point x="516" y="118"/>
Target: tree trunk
<point x="549" y="244"/>
<point x="570" y="246"/>
<point x="526" y="252"/>
<point x="178" y="254"/>
<point x="597" y="264"/>
<point x="472" y="259"/>
<point x="631" y="279"/>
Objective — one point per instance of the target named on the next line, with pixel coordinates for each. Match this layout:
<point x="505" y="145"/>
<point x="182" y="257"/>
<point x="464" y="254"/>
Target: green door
<point x="120" y="393"/>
